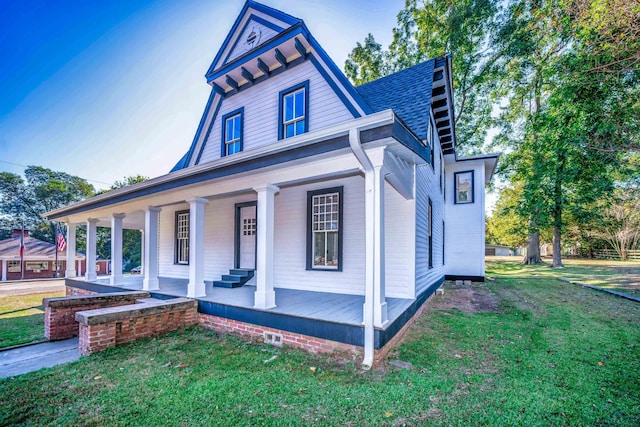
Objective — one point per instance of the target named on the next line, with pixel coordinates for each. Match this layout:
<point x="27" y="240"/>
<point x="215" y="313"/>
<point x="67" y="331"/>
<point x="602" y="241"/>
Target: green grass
<point x="22" y="318"/>
<point x="552" y="354"/>
<point x="609" y="274"/>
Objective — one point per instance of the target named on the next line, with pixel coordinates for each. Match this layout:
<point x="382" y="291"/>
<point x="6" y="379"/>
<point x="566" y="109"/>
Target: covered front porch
<point x="324" y="306"/>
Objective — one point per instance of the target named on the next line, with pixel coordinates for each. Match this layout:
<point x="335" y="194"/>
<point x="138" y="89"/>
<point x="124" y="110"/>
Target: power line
<point x="26" y="166"/>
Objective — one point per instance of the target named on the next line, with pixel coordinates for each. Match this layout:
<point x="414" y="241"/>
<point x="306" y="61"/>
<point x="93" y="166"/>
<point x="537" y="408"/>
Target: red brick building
<point x="39" y="259"/>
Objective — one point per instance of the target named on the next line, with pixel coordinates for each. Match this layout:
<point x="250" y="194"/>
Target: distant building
<point x="497" y="250"/>
<point x="39" y="259"/>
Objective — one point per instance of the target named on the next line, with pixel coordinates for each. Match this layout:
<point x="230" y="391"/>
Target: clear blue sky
<point x="105" y="89"/>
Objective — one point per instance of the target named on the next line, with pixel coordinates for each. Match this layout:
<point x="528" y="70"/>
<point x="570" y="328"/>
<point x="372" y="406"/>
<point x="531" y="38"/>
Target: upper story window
<point x="182" y="237"/>
<point x="463" y="183"/>
<point x="232" y="132"/>
<point x="294" y="111"/>
<point x="431" y="141"/>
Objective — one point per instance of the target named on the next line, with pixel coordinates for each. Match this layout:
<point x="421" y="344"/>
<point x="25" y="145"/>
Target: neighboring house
<point x="38" y="259"/>
<point x="498" y="250"/>
<point x="342" y="209"/>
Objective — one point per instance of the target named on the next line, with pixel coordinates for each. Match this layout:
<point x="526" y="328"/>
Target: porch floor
<point x="336" y="308"/>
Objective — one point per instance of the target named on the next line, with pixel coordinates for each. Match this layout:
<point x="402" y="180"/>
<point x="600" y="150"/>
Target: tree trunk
<point x="557" y="247"/>
<point x="533" y="250"/>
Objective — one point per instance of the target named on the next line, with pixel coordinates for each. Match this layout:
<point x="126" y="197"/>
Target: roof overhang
<point x="383" y="127"/>
<point x="490" y="163"/>
<point x="442" y="103"/>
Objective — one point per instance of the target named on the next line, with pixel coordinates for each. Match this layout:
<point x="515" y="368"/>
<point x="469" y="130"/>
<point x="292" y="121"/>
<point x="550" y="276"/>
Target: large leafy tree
<point x="431" y="28"/>
<point x="41" y="190"/>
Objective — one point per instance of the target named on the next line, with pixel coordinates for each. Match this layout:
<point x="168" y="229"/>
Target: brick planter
<point x="109" y="327"/>
<point x="60" y="313"/>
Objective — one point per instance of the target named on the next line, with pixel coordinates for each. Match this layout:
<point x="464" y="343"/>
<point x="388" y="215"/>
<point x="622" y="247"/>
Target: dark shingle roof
<point x="33" y="248"/>
<point x="407" y="93"/>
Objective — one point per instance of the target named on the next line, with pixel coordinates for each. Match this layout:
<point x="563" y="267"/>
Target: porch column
<point x="265" y="296"/>
<point x="4" y="270"/>
<point x="91" y="275"/>
<point x="116" y="248"/>
<point x="196" y="286"/>
<point x="379" y="299"/>
<point x="142" y="270"/>
<point x="149" y="249"/>
<point x="71" y="251"/>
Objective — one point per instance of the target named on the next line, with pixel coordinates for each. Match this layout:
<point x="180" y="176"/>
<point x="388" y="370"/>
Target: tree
<point x="432" y="28"/>
<point x="41" y="191"/>
<point x="620" y="227"/>
<point x="506" y="224"/>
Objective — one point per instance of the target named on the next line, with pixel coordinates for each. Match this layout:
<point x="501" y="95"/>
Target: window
<point x="14" y="267"/>
<point x="463" y="183"/>
<point x="232" y="132"/>
<point x="430" y="232"/>
<point x="249" y="227"/>
<point x="37" y="266"/>
<point x="442" y="242"/>
<point x="182" y="237"/>
<point x="294" y="111"/>
<point x="324" y="229"/>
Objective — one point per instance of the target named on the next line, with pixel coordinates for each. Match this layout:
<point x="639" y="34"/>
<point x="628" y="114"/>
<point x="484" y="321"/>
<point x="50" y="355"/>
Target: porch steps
<point x="237" y="277"/>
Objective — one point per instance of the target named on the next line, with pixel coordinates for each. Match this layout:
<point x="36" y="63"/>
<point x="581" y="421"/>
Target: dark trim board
<point x="472" y="278"/>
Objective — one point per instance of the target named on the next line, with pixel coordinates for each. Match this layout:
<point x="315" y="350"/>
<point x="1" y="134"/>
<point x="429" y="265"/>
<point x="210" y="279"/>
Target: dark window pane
<point x="288" y="108"/>
<point x="332" y="249"/>
<point x="300" y="127"/>
<point x="289" y="130"/>
<point x="318" y="249"/>
<point x="299" y="104"/>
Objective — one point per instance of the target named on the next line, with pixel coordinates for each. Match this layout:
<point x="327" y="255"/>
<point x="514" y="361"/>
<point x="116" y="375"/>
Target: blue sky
<point x="106" y="89"/>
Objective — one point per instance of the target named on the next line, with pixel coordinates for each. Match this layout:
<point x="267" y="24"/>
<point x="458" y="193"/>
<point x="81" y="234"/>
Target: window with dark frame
<point x="463" y="187"/>
<point x="441" y="173"/>
<point x="182" y="237"/>
<point x="442" y="242"/>
<point x="324" y="229"/>
<point x="430" y="232"/>
<point x="232" y="132"/>
<point x="431" y="141"/>
<point x="294" y="111"/>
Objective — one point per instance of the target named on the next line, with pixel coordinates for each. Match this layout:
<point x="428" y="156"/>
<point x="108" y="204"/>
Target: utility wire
<point x="26" y="166"/>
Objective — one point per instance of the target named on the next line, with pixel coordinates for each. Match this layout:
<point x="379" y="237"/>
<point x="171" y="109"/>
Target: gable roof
<point x="33" y="248"/>
<point x="407" y="93"/>
<point x="234" y="34"/>
<point x="413" y="93"/>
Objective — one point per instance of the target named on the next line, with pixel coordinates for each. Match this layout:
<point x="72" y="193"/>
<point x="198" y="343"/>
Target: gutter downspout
<point x="369" y="181"/>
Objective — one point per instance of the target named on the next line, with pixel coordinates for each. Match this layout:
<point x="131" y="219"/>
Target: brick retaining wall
<point x="60" y="313"/>
<point x="104" y="328"/>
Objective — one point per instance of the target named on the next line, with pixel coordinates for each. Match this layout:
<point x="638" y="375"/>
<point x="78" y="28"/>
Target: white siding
<point x="291" y="236"/>
<point x="166" y="243"/>
<point x="465" y="224"/>
<point x="428" y="186"/>
<point x="398" y="227"/>
<point x="261" y="109"/>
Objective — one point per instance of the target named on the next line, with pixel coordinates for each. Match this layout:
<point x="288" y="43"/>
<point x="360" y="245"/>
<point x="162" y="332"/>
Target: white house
<point x="304" y="205"/>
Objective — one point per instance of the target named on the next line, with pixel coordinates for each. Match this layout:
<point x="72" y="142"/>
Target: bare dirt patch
<point x="474" y="298"/>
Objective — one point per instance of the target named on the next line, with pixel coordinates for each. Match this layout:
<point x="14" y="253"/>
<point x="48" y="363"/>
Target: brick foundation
<point x="101" y="329"/>
<point x="60" y="313"/>
<point x="305" y="342"/>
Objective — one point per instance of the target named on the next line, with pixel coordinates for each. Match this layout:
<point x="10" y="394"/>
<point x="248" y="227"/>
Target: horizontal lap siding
<point x="398" y="224"/>
<point x="465" y="224"/>
<point x="291" y="236"/>
<point x="428" y="185"/>
<point x="166" y="243"/>
<point x="261" y="109"/>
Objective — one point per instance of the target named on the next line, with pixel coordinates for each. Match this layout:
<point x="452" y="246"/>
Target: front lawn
<point x="516" y="351"/>
<point x="22" y="318"/>
<point x="622" y="276"/>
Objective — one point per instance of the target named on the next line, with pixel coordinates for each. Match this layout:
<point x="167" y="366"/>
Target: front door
<point x="247" y="231"/>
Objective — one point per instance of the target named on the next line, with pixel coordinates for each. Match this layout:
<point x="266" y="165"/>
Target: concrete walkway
<point x="33" y="357"/>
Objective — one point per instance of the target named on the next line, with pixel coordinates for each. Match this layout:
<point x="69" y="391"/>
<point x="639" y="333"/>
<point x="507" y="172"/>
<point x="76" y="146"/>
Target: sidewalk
<point x="33" y="357"/>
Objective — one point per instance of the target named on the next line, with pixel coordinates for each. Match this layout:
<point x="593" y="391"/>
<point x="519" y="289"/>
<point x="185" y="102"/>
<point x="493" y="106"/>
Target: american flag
<point x="62" y="244"/>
